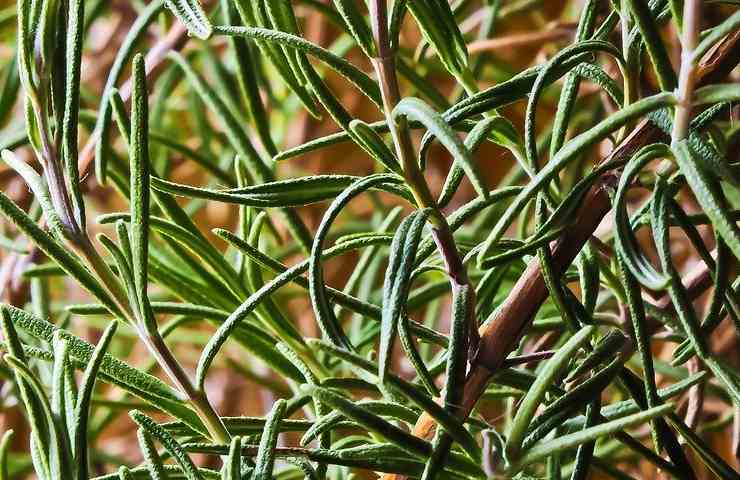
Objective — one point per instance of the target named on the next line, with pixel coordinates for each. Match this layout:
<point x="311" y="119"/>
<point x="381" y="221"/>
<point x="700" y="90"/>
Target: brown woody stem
<point x="500" y="336"/>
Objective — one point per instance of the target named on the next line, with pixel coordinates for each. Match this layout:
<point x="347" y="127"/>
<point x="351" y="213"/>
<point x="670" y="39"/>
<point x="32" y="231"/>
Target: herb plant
<point x="484" y="326"/>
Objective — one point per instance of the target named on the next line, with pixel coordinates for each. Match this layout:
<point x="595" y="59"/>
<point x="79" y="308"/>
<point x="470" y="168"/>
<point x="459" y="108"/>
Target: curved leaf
<point x="415" y="109"/>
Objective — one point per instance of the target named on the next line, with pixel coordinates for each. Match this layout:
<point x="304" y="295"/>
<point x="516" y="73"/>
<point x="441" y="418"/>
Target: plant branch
<point x="385" y="69"/>
<point x="501" y="334"/>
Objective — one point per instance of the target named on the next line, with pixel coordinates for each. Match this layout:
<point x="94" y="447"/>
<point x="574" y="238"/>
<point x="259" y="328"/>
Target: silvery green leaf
<point x="82" y="409"/>
<point x="265" y="460"/>
<point x="4" y="447"/>
<point x="191" y="14"/>
<point x="535" y="395"/>
<point x="154" y="462"/>
<point x="169" y="443"/>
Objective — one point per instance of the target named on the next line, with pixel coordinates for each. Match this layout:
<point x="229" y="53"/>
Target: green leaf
<point x="382" y="457"/>
<point x="34" y="407"/>
<point x="504" y="93"/>
<point x="397" y="283"/>
<point x="708" y="457"/>
<point x="375" y="423"/>
<point x="357" y="26"/>
<point x="62" y="392"/>
<point x="269" y="312"/>
<point x="535" y="395"/>
<point x="236" y="135"/>
<point x="45" y="425"/>
<point x="544" y="78"/>
<point x="169" y="443"/>
<point x="244" y="426"/>
<point x="334" y="418"/>
<point x="40" y="188"/>
<point x="286" y="275"/>
<point x="654" y="44"/>
<point x="248" y="82"/>
<point x="75" y="32"/>
<point x="708" y="196"/>
<point x="197" y="157"/>
<point x="678" y="293"/>
<point x="118" y="107"/>
<point x="463" y="313"/>
<point x="112" y="370"/>
<point x="139" y="181"/>
<point x="641" y="337"/>
<point x="449" y="422"/>
<point x="317" y="289"/>
<point x="66" y="260"/>
<point x="628" y="407"/>
<point x="153" y="460"/>
<point x="82" y="409"/>
<point x="141" y="473"/>
<point x="279" y="15"/>
<point x="191" y="14"/>
<point x="45" y="30"/>
<point x="498" y="130"/>
<point x="726" y="27"/>
<point x="358" y="78"/>
<point x="165" y="308"/>
<point x="567" y="99"/>
<point x="625" y="241"/>
<point x="195" y="243"/>
<point x="439" y="27"/>
<point x="415" y="109"/>
<point x="704" y="152"/>
<point x="326" y="141"/>
<point x="572" y="440"/>
<point x="4" y="447"/>
<point x="585" y="392"/>
<point x="10" y="81"/>
<point x="372" y="143"/>
<point x="282" y="193"/>
<point x="254" y="15"/>
<point x="239" y="140"/>
<point x="710" y="94"/>
<point x="265" y="460"/>
<point x="232" y="468"/>
<point x="340" y="298"/>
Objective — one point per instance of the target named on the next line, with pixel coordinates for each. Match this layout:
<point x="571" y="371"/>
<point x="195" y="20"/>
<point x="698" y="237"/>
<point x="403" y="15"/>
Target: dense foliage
<point x="483" y="324"/>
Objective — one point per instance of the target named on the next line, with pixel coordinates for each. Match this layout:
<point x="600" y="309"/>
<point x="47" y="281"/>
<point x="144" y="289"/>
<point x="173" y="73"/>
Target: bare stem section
<point x="688" y="74"/>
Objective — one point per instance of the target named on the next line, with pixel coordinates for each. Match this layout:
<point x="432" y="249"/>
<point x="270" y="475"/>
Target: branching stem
<point x="385" y="69"/>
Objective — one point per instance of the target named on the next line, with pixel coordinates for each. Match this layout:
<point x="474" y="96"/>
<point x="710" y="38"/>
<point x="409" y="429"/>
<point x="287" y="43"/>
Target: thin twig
<point x="520" y="40"/>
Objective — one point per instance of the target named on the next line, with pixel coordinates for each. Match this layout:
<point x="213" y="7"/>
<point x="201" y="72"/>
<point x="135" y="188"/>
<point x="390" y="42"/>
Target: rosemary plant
<point x="476" y="323"/>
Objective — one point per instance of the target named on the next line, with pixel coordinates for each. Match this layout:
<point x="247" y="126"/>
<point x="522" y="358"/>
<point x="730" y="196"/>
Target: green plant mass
<point x="343" y="239"/>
